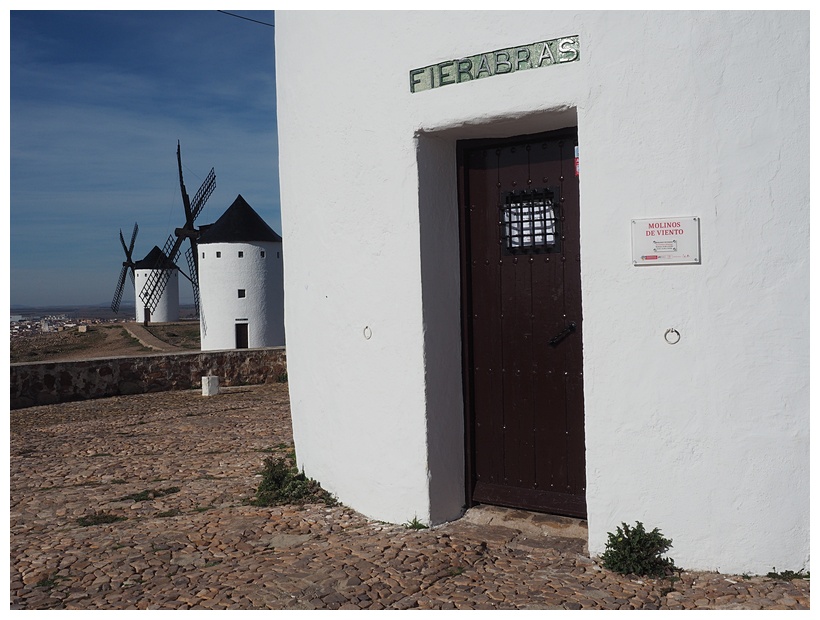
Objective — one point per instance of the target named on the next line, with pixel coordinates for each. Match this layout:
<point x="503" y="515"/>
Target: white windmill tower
<point x="241" y="283"/>
<point x="166" y="308"/>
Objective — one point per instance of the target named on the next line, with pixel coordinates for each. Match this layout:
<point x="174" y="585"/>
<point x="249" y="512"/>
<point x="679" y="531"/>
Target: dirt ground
<point x="99" y="341"/>
<point x="184" y="335"/>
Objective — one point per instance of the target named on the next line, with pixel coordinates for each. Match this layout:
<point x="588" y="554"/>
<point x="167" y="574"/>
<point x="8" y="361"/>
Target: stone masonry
<point x="55" y="382"/>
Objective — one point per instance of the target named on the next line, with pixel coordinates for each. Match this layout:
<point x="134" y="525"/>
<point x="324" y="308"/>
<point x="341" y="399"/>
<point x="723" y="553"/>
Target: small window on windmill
<point x="203" y="255"/>
<point x="241" y="293"/>
<point x="219" y="254"/>
<point x="262" y="253"/>
<point x="241" y="254"/>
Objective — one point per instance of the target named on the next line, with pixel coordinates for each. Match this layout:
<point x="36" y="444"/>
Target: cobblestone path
<point x="180" y="468"/>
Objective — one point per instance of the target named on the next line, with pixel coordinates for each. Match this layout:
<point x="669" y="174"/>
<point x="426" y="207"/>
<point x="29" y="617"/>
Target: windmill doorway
<point x="241" y="335"/>
<point x="521" y="322"/>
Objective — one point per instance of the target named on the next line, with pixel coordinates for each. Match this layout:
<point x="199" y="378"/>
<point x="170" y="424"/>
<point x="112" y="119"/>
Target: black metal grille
<point x="530" y="222"/>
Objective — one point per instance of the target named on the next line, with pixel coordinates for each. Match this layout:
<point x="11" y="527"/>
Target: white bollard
<point x="210" y="386"/>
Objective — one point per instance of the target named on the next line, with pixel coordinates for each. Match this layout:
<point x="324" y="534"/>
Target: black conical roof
<point x="239" y="223"/>
<point x="153" y="259"/>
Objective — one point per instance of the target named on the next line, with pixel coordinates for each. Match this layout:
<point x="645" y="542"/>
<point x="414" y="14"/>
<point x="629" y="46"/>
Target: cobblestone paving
<point x="180" y="468"/>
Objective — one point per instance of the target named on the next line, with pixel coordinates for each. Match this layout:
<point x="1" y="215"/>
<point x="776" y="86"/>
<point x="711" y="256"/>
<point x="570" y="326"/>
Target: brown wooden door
<point x="521" y="304"/>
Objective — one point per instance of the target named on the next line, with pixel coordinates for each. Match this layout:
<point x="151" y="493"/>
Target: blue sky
<point x="98" y="100"/>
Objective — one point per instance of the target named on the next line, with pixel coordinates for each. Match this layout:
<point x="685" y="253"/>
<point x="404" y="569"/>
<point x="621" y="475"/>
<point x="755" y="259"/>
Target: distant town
<point x="30" y="321"/>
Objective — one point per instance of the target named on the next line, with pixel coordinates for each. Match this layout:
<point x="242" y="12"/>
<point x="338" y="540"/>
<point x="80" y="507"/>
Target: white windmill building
<point x="167" y="301"/>
<point x="167" y="305"/>
<point x="240" y="282"/>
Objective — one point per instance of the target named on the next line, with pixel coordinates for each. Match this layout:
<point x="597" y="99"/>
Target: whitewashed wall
<point x="702" y="114"/>
<point x="221" y="308"/>
<point x="167" y="310"/>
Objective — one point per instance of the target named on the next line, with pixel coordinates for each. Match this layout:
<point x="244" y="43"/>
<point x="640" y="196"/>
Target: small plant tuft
<point x="415" y="524"/>
<point x="634" y="551"/>
<point x="99" y="518"/>
<point x="671" y="587"/>
<point x="168" y="513"/>
<point x="787" y="575"/>
<point x="282" y="483"/>
<point x="148" y="494"/>
<point x="47" y="582"/>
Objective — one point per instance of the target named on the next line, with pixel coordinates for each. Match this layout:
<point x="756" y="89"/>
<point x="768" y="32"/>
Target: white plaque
<point x="666" y="241"/>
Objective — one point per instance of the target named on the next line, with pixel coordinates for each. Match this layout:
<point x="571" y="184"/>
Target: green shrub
<point x="634" y="551"/>
<point x="283" y="483"/>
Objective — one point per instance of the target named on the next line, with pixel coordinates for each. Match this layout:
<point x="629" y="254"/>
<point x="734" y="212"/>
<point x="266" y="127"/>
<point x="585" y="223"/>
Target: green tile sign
<point x="488" y="64"/>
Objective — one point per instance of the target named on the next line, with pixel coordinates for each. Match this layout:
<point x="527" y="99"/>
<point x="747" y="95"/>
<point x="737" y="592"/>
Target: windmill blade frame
<point x="133" y="238"/>
<point x="190" y="257"/>
<point x="158" y="279"/>
<point x="203" y="193"/>
<point x="115" y="303"/>
<point x="127" y="266"/>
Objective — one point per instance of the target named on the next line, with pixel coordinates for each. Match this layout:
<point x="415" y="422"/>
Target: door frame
<point x="466" y="293"/>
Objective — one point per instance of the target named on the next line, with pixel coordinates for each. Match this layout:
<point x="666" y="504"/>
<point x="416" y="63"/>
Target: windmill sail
<point x="203" y="193"/>
<point x="127" y="266"/>
<point x="190" y="257"/>
<point x="157" y="281"/>
<point x="115" y="303"/>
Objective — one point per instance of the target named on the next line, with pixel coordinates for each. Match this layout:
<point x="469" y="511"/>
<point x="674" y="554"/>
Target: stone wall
<point x="53" y="382"/>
